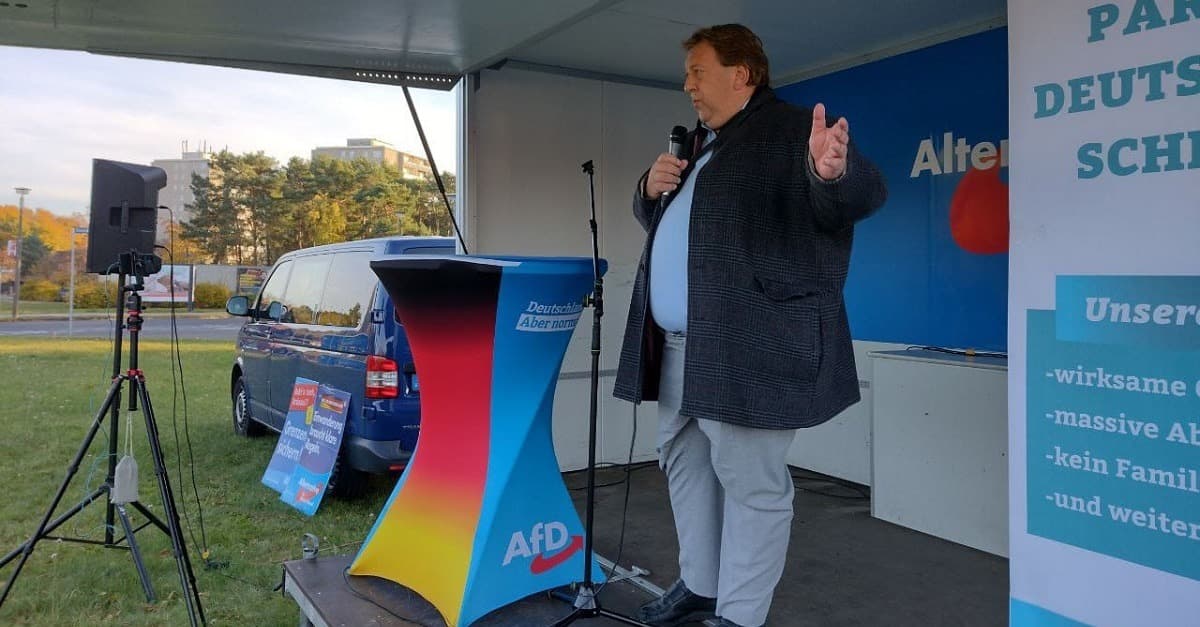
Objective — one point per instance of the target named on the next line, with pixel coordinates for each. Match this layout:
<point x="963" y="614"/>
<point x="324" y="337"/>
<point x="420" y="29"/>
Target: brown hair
<point x="735" y="45"/>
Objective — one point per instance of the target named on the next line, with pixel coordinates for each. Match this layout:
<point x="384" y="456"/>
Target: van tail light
<point x="383" y="377"/>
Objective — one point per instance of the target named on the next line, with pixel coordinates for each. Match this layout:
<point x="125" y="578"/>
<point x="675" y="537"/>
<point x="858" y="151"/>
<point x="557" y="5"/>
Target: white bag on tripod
<point x="125" y="482"/>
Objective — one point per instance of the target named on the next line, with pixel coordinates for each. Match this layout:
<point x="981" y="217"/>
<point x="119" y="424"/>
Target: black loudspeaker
<point x="124" y="212"/>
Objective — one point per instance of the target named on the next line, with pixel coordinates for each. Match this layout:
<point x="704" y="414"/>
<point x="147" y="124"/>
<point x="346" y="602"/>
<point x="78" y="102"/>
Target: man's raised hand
<point x="827" y="146"/>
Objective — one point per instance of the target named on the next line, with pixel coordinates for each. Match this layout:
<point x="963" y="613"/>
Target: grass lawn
<point x="53" y="388"/>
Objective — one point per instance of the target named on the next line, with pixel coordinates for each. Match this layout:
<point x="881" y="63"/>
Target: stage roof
<point x="430" y="43"/>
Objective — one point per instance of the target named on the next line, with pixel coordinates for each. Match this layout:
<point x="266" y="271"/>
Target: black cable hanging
<point x="437" y="176"/>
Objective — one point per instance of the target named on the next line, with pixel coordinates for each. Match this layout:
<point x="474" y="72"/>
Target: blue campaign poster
<point x="295" y="433"/>
<point x="310" y="477"/>
<point x="931" y="267"/>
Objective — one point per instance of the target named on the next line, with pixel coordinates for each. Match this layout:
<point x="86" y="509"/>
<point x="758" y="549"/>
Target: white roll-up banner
<point x="1104" y="312"/>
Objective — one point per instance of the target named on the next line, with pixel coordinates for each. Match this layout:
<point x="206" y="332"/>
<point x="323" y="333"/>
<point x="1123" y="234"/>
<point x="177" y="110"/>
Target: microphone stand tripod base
<point x="586" y="605"/>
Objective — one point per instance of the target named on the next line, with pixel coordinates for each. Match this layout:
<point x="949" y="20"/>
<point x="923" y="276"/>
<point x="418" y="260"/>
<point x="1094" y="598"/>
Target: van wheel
<point x="346" y="482"/>
<point x="244" y="423"/>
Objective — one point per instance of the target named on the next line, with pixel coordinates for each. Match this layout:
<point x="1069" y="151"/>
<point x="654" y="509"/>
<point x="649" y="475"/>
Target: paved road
<point x="225" y="328"/>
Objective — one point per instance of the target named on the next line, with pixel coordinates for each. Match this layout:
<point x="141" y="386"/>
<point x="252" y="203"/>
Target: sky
<point x="60" y="109"/>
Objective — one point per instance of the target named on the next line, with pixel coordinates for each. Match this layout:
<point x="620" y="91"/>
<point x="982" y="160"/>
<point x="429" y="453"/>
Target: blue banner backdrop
<point x="932" y="266"/>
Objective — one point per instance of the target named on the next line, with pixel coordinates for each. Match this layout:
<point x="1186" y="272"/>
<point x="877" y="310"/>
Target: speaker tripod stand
<point x="116" y="495"/>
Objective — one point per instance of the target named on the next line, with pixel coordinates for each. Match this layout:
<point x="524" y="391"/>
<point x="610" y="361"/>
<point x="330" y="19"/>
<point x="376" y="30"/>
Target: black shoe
<point x="677" y="606"/>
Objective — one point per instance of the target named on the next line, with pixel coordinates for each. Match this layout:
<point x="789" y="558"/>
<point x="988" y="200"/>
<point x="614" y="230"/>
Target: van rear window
<point x="305" y="287"/>
<point x="348" y="290"/>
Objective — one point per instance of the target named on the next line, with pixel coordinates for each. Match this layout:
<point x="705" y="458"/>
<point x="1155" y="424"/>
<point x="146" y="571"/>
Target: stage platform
<point x="844" y="568"/>
<point x="327" y="598"/>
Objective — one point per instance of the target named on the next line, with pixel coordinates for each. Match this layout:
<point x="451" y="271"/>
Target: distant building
<point x="376" y="151"/>
<point x="178" y="193"/>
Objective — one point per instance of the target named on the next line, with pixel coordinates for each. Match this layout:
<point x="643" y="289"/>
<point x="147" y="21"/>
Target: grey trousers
<point x="731" y="493"/>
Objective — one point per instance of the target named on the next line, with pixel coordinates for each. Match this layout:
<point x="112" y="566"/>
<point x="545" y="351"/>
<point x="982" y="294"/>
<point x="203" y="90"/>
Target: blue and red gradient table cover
<point x="480" y="517"/>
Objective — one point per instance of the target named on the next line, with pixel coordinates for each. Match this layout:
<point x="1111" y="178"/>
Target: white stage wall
<point x="527" y="135"/>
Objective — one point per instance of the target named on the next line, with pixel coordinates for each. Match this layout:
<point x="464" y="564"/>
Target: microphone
<point x="675" y="145"/>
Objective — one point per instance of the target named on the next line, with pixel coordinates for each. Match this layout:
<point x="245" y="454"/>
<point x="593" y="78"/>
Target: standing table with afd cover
<point x="480" y="517"/>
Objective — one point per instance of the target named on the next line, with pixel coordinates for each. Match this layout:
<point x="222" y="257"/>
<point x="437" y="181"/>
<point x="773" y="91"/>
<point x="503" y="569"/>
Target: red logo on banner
<point x="541" y="563"/>
<point x="979" y="211"/>
<point x="545" y="538"/>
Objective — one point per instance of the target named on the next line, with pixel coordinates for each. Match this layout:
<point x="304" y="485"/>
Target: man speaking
<point x="737" y="326"/>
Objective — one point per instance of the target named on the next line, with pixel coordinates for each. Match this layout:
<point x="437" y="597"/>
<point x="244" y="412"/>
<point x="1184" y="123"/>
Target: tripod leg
<point x="151" y="517"/>
<point x="54" y="524"/>
<point x="137" y="556"/>
<point x="27" y="549"/>
<point x="611" y="615"/>
<point x="582" y="614"/>
<point x="187" y="577"/>
<point x="114" y="426"/>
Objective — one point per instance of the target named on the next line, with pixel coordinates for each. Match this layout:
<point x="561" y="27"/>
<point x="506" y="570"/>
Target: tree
<point x="251" y="210"/>
<point x="211" y="229"/>
<point x="318" y="220"/>
<point x="381" y="204"/>
<point x="372" y="198"/>
<point x="54" y="230"/>
<point x="262" y="188"/>
<point x="33" y="251"/>
<point x="183" y="250"/>
<point x="431" y="212"/>
<point x="235" y="209"/>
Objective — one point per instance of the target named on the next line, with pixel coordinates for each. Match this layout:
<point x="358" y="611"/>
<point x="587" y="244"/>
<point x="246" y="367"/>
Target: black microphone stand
<point x="586" y="605"/>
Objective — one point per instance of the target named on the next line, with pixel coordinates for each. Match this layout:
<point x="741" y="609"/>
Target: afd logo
<point x="548" y="544"/>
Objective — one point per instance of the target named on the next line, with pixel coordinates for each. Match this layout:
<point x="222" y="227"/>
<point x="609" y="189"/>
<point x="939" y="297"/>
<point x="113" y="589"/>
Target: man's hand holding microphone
<point x="666" y="172"/>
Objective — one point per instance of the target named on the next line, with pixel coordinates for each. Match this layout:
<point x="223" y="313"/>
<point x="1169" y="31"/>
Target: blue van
<point x="323" y="315"/>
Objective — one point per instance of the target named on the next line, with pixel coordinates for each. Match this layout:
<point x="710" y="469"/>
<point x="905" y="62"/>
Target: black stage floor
<point x="844" y="568"/>
<point x="327" y="598"/>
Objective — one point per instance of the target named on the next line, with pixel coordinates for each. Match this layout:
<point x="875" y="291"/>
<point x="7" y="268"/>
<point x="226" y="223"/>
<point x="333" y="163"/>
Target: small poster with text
<point x="293" y="437"/>
<point x="311" y="475"/>
<point x="250" y="280"/>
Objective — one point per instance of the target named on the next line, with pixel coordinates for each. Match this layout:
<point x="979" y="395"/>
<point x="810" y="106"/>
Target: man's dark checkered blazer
<point x="768" y="341"/>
